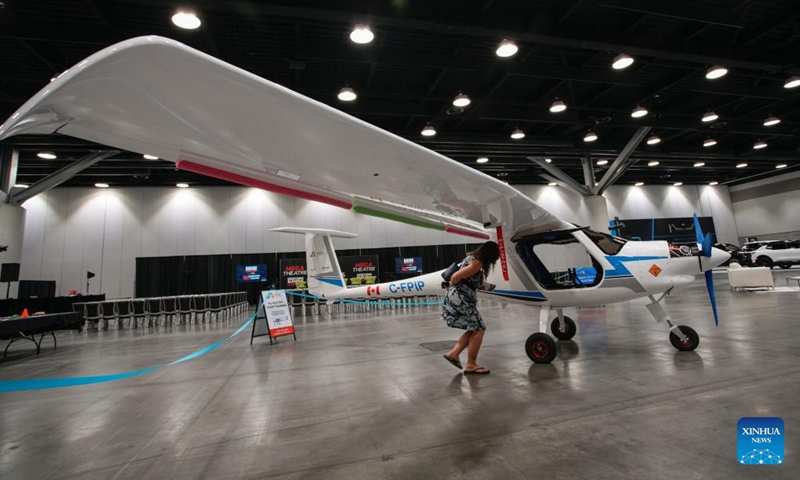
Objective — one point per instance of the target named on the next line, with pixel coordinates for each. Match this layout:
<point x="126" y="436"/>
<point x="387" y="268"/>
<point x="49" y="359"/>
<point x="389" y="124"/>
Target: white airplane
<point x="157" y="96"/>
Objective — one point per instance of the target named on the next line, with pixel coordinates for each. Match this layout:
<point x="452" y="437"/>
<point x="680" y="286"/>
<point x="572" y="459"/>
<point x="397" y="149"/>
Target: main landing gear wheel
<point x="569" y="331"/>
<point x="541" y="348"/>
<point x="691" y="342"/>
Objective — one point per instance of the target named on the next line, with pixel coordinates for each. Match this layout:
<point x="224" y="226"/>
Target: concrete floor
<point x="358" y="397"/>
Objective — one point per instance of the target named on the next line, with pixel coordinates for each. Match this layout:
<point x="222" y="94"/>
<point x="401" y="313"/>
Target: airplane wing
<point x="157" y="96"/>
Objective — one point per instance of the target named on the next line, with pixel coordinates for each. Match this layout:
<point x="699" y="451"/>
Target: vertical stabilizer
<point x="324" y="275"/>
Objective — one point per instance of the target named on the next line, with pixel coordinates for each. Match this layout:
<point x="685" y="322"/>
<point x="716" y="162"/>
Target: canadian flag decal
<point x="374" y="290"/>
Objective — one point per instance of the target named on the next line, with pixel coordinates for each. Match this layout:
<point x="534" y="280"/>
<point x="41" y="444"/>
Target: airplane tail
<point x="324" y="274"/>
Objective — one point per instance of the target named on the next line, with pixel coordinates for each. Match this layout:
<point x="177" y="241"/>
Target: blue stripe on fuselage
<point x="527" y="295"/>
<point x="618" y="262"/>
<point x="333" y="281"/>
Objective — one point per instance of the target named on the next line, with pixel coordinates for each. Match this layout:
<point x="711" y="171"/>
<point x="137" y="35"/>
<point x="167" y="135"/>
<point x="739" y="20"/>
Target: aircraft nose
<point x="718" y="257"/>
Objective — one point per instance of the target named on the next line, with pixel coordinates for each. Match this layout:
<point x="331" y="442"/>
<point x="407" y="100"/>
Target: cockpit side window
<point x="558" y="261"/>
<point x="609" y="244"/>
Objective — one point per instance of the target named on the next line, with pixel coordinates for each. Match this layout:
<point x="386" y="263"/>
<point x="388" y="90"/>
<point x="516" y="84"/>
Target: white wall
<point x="657" y="201"/>
<point x="71" y="230"/>
<point x="769" y="216"/>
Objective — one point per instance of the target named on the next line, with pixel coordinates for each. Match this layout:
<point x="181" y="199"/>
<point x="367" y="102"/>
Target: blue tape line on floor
<point x="363" y="302"/>
<point x="46" y="383"/>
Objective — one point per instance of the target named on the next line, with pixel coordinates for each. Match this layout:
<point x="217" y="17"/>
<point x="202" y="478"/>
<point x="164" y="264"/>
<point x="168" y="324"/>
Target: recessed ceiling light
<point x="507" y="48"/>
<point x="602" y="162"/>
<point x="149" y="157"/>
<point x="780" y="165"/>
<point x="653" y="163"/>
<point x="638" y="184"/>
<point x="362" y="34"/>
<point x="792" y="82"/>
<point x="548" y="160"/>
<point x="699" y="164"/>
<point x="101" y="185"/>
<point x="710" y="117"/>
<point x="347" y="94"/>
<point x="428" y="130"/>
<point x="552" y="184"/>
<point x="482" y="160"/>
<point x="716" y="71"/>
<point x="639" y="112"/>
<point x="770" y="121"/>
<point x="461" y="100"/>
<point x="622" y="61"/>
<point x="709" y="142"/>
<point x="182" y="185"/>
<point x="759" y="145"/>
<point x="654" y="140"/>
<point x="741" y="165"/>
<point x="47" y="155"/>
<point x="713" y="183"/>
<point x="517" y="134"/>
<point x="678" y="184"/>
<point x="22" y="185"/>
<point x="558" y="106"/>
<point x="186" y="18"/>
<point x="590" y="136"/>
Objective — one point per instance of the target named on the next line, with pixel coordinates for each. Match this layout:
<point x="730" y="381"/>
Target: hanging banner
<point x="278" y="314"/>
<point x="502" y="244"/>
<point x="293" y="270"/>
<point x="361" y="266"/>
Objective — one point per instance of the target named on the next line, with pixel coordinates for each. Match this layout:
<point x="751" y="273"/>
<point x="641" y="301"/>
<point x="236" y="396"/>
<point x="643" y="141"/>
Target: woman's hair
<point x="488" y="253"/>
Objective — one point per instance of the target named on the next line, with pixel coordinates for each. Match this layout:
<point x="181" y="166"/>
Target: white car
<point x="784" y="254"/>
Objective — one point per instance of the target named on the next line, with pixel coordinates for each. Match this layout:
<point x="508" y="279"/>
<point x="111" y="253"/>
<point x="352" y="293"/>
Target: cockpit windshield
<point x="609" y="244"/>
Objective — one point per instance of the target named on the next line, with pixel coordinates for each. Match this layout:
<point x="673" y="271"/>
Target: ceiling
<point x="425" y="53"/>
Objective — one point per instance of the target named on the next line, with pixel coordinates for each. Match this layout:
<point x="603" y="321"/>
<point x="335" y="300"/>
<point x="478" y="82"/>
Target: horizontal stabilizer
<point x="315" y="231"/>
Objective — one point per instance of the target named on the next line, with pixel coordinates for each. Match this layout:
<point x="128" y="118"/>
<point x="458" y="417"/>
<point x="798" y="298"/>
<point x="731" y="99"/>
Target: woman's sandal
<point x="453" y="361"/>
<point x="477" y="371"/>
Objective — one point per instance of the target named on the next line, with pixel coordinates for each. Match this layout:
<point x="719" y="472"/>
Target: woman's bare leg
<point x="460" y="345"/>
<point x="473" y="347"/>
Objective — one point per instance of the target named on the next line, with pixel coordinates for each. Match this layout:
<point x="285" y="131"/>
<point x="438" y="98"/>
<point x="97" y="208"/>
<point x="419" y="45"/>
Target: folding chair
<point x="140" y="313"/>
<point x="155" y="307"/>
<point x="124" y="310"/>
<point x="93" y="312"/>
<point x="170" y="308"/>
<point x="109" y="309"/>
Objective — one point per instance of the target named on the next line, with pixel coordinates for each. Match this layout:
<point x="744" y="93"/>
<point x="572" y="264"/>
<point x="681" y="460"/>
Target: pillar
<point x="12" y="227"/>
<point x="598" y="212"/>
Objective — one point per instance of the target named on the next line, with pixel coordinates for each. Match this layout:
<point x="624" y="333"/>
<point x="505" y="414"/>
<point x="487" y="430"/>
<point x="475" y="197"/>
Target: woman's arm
<point x="474" y="267"/>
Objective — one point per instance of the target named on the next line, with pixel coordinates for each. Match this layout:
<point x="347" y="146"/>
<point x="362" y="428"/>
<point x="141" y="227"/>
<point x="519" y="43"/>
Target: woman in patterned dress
<point x="460" y="305"/>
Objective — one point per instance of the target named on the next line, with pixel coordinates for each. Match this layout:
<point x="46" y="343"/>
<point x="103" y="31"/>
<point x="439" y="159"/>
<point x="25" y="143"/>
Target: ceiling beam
<point x="494" y="25"/>
<point x="101" y="15"/>
<point x="772" y="93"/>
<point x="60" y="176"/>
<point x="681" y="10"/>
<point x="749" y="36"/>
<point x="559" y="174"/>
<point x="617" y="168"/>
<point x="415" y="58"/>
<point x="36" y="53"/>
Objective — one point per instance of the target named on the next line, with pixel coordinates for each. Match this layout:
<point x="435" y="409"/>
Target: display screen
<point x="408" y="265"/>
<point x="251" y="273"/>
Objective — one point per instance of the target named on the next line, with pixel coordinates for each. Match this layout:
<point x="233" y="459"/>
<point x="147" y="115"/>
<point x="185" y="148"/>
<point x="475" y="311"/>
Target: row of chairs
<point x="143" y="312"/>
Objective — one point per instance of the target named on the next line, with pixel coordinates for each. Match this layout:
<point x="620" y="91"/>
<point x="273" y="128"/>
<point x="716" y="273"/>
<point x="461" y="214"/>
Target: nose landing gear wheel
<point x="569" y="331"/>
<point x="541" y="348"/>
<point x="691" y="342"/>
